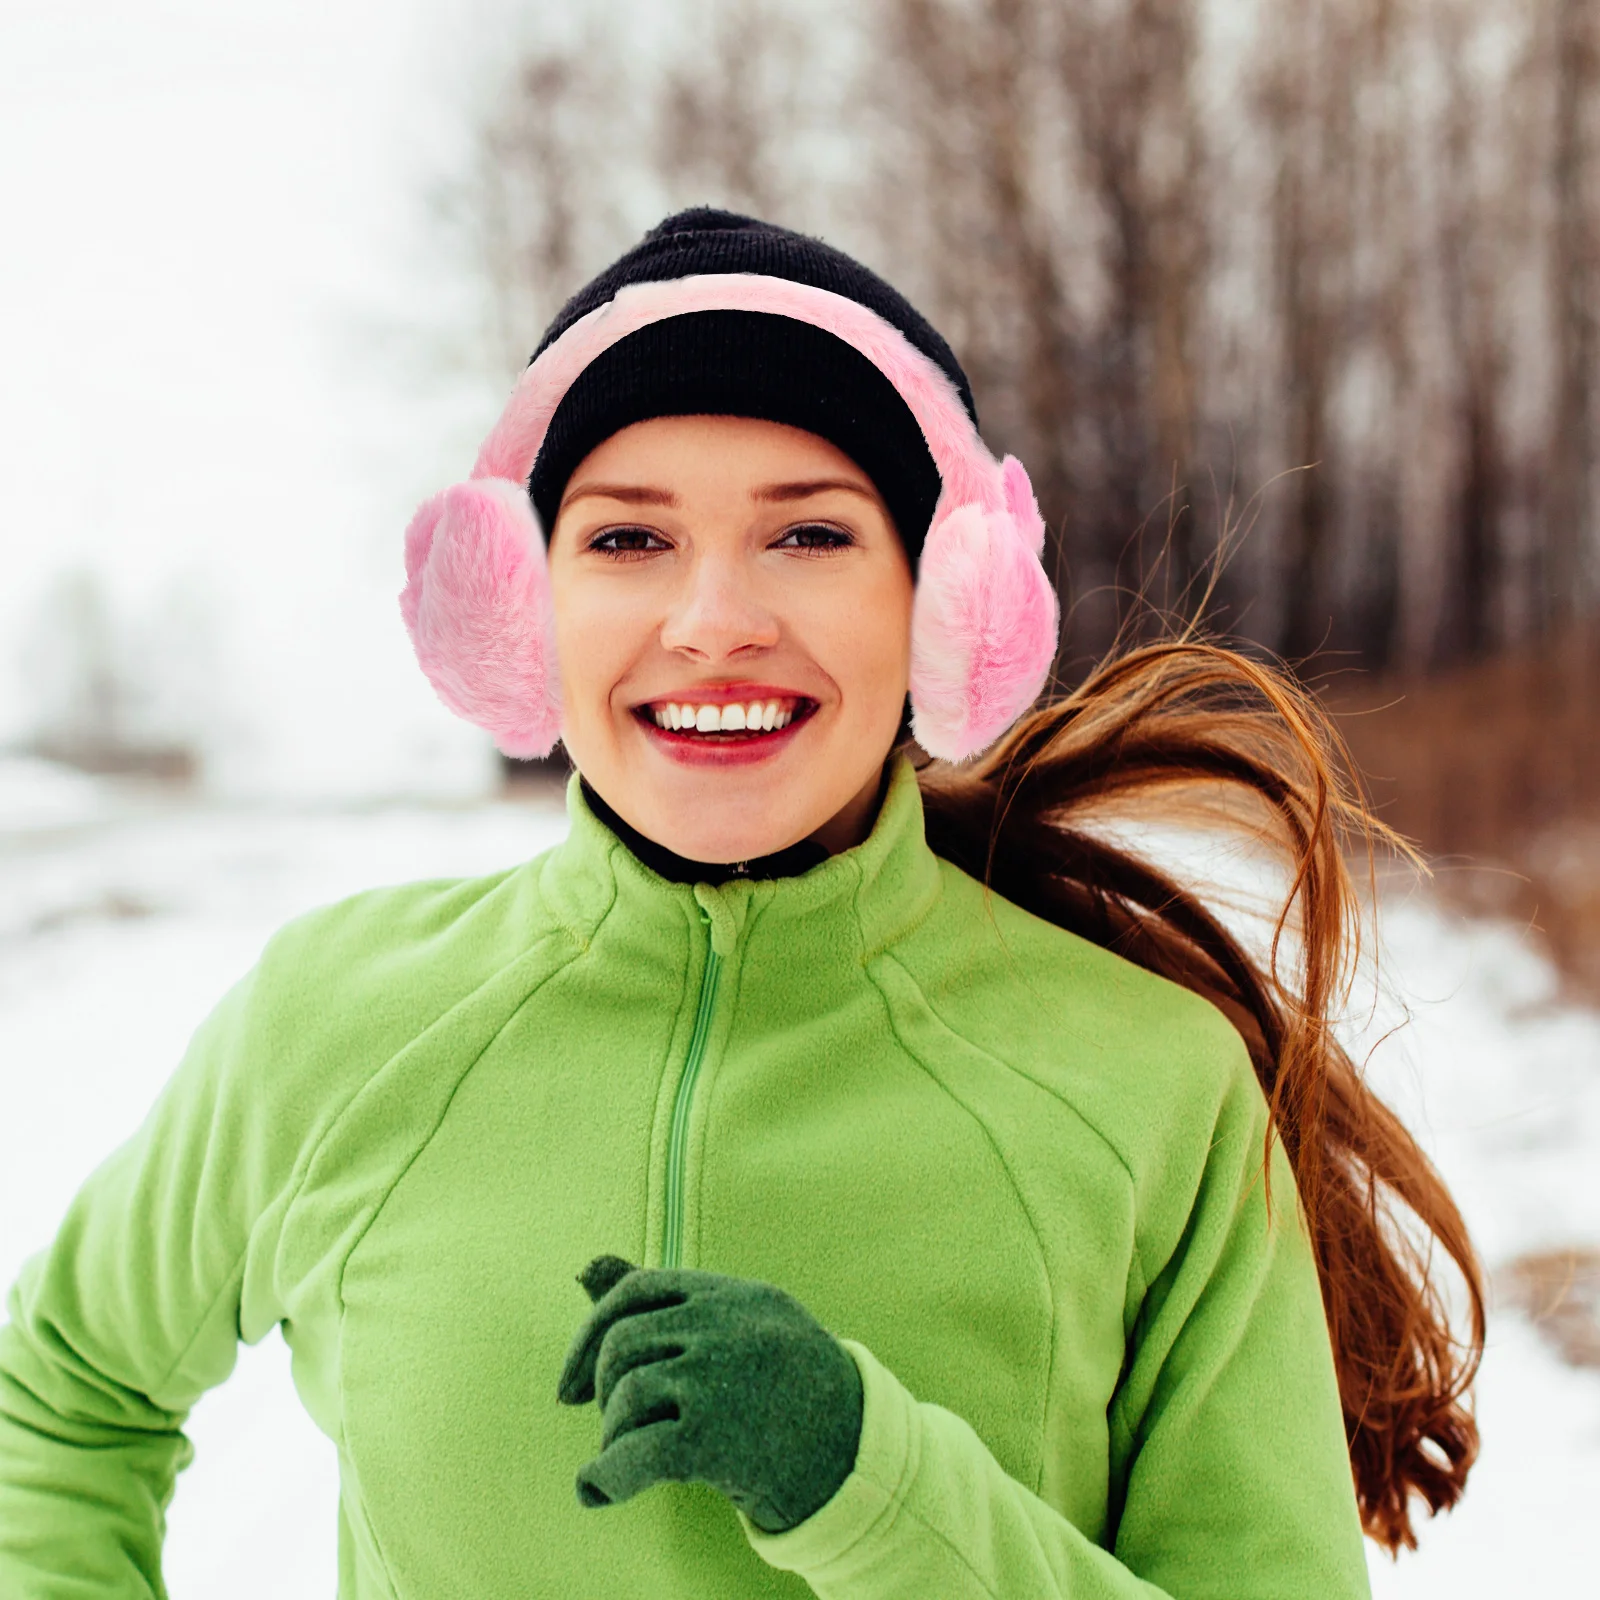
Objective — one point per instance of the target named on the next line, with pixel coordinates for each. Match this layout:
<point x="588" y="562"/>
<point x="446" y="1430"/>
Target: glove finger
<point x="638" y="1459"/>
<point x="641" y="1340"/>
<point x="641" y="1443"/>
<point x="644" y="1289"/>
<point x="603" y="1274"/>
<point x="642" y="1398"/>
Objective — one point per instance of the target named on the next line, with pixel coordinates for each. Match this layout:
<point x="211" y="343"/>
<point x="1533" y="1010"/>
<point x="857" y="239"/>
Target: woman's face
<point x="733" y="623"/>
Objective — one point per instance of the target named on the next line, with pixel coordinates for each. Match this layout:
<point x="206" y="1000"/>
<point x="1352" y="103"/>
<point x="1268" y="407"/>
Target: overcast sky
<point x="219" y="306"/>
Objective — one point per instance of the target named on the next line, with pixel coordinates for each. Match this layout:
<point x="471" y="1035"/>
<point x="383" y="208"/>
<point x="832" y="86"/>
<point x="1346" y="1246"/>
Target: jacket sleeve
<point x="1227" y="1440"/>
<point x="164" y="1261"/>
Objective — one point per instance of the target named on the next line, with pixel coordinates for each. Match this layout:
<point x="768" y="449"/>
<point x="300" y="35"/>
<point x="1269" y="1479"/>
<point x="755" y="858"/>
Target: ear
<point x="477" y="606"/>
<point x="983" y="623"/>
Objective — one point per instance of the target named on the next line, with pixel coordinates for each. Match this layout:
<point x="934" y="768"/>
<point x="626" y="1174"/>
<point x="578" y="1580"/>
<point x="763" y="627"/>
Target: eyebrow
<point x="801" y="491"/>
<point x="636" y="494"/>
<point x="632" y="494"/>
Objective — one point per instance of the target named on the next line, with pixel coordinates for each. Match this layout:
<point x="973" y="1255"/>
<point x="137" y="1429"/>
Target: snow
<point x="1501" y="1083"/>
<point x="122" y="924"/>
<point x="43" y="795"/>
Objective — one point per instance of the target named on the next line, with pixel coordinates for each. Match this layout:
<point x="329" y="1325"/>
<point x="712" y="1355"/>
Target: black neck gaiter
<point x="785" y="863"/>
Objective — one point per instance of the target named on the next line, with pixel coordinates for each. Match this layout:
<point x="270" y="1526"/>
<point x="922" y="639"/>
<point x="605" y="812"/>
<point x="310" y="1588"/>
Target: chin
<point x="724" y="839"/>
<point x="709" y="808"/>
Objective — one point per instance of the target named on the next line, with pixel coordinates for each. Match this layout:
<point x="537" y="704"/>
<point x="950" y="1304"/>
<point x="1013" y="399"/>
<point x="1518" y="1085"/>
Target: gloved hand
<point x="720" y="1380"/>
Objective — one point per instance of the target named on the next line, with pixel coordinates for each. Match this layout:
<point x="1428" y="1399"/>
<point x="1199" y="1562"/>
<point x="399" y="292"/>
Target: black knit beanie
<point x="749" y="364"/>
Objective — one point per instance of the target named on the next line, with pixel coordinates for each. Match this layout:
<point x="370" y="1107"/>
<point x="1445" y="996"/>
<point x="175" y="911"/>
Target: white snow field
<point x="122" y="921"/>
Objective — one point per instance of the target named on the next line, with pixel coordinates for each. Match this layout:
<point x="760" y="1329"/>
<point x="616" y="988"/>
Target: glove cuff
<point x="885" y="1466"/>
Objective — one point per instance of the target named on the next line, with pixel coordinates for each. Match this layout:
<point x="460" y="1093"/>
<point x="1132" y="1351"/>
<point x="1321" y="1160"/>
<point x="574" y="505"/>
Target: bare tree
<point x="113" y="698"/>
<point x="729" y="118"/>
<point x="547" y="204"/>
<point x="1349" y="260"/>
<point x="1128" y="72"/>
<point x="1575" y="295"/>
<point x="1057" y="154"/>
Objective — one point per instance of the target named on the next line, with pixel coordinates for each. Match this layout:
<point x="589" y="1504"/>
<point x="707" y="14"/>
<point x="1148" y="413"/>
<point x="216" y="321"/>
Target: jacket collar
<point x="867" y="896"/>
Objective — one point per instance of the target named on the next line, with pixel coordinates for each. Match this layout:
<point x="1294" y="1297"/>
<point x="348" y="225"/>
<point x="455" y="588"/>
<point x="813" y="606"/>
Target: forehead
<point x="735" y="454"/>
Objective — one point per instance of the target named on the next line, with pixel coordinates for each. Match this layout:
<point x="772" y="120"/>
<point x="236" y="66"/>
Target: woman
<point x="931" y="1166"/>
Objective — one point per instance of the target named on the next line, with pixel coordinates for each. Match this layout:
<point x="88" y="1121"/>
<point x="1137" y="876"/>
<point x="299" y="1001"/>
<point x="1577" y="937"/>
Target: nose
<point x="716" y="614"/>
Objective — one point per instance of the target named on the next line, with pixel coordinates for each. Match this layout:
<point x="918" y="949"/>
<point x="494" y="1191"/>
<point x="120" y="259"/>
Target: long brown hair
<point x="1182" y="720"/>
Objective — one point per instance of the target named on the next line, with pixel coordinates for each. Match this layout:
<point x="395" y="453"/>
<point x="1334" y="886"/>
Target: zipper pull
<point x="715" y="910"/>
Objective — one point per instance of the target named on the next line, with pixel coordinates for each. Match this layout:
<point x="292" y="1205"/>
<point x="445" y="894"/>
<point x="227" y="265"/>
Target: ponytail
<point x="1187" y="717"/>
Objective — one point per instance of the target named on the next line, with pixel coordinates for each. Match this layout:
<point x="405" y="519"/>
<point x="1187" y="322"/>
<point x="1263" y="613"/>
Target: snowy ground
<point x="122" y="920"/>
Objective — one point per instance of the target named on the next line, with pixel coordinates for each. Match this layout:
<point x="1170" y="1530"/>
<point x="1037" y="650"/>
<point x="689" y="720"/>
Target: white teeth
<point x="764" y="715"/>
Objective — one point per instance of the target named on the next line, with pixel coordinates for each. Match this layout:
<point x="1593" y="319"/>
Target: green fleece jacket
<point x="1018" y="1177"/>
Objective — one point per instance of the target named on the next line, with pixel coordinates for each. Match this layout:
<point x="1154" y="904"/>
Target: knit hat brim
<point x="968" y="473"/>
<point x="748" y="364"/>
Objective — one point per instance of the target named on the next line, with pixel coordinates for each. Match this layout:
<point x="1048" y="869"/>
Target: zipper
<point x="677" y="1148"/>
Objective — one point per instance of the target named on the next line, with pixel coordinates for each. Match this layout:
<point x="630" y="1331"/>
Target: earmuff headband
<point x="967" y="470"/>
<point x="984" y="618"/>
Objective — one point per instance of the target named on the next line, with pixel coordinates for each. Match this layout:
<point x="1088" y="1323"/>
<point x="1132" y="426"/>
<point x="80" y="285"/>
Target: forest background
<point x="1292" y="310"/>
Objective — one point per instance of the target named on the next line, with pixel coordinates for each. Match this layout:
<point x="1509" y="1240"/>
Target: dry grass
<point x="1559" y="1291"/>
<point x="1494" y="770"/>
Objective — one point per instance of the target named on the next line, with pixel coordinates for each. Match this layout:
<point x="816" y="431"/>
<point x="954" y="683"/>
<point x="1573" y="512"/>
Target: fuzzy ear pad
<point x="477" y="606"/>
<point x="983" y="623"/>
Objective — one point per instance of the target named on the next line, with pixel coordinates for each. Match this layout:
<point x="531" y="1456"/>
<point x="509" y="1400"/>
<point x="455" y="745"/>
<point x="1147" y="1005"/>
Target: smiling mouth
<point x="732" y="722"/>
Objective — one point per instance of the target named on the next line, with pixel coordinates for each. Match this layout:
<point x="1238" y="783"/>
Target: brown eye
<point x="626" y="542"/>
<point x="815" y="536"/>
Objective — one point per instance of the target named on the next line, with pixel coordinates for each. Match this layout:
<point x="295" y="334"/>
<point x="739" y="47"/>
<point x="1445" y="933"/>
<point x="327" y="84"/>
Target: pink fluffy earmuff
<point x="984" y="618"/>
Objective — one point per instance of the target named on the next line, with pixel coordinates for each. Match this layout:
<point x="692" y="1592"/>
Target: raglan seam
<point x="377" y="1211"/>
<point x="1137" y="1261"/>
<point x="439" y="1121"/>
<point x="1016" y="1189"/>
<point x="306" y="1161"/>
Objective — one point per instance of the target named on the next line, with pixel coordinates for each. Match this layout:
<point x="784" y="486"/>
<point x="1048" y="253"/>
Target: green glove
<point x="713" y="1379"/>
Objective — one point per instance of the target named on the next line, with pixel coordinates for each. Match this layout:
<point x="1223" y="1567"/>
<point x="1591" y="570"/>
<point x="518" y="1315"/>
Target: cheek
<point x="598" y="633"/>
<point x="863" y="642"/>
